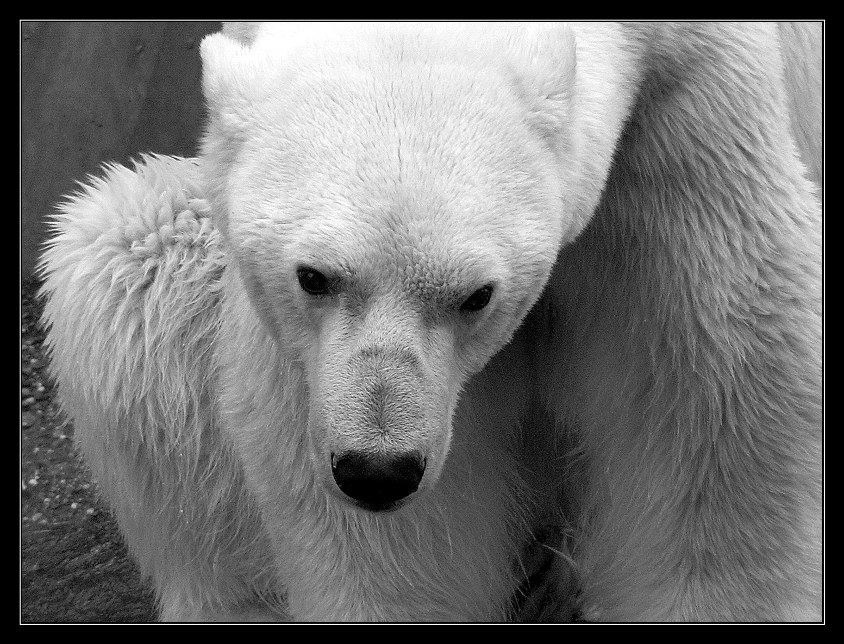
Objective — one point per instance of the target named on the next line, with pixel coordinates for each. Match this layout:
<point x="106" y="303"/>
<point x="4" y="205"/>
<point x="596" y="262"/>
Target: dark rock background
<point x="101" y="91"/>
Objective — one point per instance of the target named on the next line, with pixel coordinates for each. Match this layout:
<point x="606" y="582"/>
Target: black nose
<point x="377" y="481"/>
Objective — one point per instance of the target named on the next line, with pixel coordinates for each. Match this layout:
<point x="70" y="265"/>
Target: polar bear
<point x="434" y="294"/>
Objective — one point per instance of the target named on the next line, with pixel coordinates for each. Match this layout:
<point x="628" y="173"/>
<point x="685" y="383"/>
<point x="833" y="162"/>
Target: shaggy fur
<point x="641" y="395"/>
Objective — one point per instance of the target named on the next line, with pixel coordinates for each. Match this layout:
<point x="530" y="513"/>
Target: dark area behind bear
<point x="93" y="92"/>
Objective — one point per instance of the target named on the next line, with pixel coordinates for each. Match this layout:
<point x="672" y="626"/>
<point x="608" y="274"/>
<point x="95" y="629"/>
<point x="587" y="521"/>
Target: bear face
<point x="393" y="218"/>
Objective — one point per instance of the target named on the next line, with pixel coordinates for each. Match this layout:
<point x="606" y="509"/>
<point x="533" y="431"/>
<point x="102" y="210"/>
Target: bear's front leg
<point x="690" y="346"/>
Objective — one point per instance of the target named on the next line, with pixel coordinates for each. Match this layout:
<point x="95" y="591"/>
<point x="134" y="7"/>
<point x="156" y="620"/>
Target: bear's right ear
<point x="242" y="32"/>
<point x="229" y="83"/>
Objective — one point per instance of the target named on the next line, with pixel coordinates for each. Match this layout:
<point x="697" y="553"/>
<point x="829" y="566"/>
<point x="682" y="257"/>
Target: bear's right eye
<point x="477" y="300"/>
<point x="312" y="281"/>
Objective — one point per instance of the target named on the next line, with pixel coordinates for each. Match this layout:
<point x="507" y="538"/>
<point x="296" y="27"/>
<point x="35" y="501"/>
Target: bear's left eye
<point x="477" y="300"/>
<point x="312" y="281"/>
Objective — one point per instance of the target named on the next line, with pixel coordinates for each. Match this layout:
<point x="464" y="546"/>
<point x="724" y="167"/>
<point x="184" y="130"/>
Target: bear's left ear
<point x="545" y="63"/>
<point x="229" y="78"/>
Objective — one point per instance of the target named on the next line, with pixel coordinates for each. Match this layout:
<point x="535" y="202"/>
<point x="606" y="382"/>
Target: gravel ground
<point x="74" y="567"/>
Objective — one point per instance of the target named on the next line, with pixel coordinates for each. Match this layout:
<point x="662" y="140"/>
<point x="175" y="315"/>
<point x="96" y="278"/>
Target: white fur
<point x="642" y="391"/>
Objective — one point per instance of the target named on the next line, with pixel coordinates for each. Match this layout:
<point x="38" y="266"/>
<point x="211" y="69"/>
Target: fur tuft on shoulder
<point x="130" y="283"/>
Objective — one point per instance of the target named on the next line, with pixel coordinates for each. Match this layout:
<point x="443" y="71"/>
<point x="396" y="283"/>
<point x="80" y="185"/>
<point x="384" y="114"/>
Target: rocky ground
<point x="74" y="567"/>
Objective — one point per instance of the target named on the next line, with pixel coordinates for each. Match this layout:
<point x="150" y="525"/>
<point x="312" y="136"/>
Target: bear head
<point x="394" y="198"/>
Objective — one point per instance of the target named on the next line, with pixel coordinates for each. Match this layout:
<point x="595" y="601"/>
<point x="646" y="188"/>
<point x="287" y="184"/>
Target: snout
<point x="378" y="482"/>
